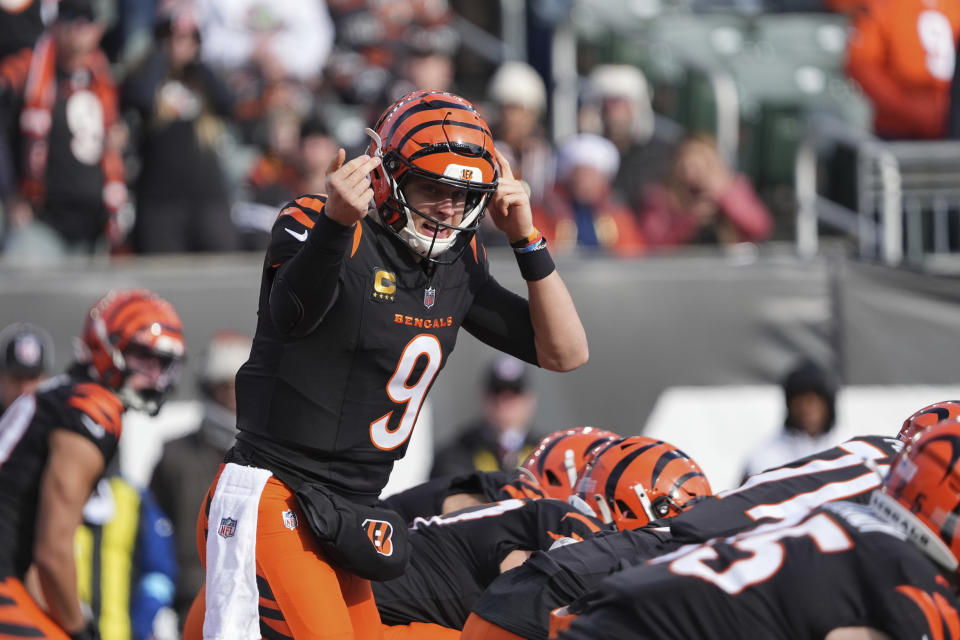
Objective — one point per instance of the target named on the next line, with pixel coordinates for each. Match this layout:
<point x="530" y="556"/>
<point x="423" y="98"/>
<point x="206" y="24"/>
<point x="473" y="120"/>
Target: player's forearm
<point x="56" y="570"/>
<point x="306" y="286"/>
<point x="559" y="336"/>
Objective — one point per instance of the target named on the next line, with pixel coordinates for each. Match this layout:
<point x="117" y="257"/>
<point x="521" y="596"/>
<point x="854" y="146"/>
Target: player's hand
<point x="510" y="207"/>
<point x="348" y="188"/>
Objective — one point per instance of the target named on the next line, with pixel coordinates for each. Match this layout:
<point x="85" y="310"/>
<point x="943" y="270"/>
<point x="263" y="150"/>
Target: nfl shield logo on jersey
<point x="290" y="520"/>
<point x="228" y="527"/>
<point x="429" y="297"/>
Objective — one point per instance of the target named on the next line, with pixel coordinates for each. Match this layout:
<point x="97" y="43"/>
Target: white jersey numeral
<point x="402" y="391"/>
<point x="14" y="423"/>
<point x="766" y="553"/>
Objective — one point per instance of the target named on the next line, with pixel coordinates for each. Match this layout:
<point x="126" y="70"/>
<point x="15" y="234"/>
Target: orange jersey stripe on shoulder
<point x="101" y="404"/>
<point x="357" y="234"/>
<point x="299" y="216"/>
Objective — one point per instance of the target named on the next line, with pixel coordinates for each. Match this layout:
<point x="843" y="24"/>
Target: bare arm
<point x="72" y="468"/>
<point x="856" y="633"/>
<point x="559" y="336"/>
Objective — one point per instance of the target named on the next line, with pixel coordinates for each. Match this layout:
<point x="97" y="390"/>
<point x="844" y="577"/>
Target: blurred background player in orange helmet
<point x="58" y="441"/>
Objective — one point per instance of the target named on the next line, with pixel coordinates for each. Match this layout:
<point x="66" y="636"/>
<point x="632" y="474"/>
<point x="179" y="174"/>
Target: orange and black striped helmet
<point x="561" y="456"/>
<point x="633" y="481"/>
<point x="925" y="418"/>
<point x="125" y="322"/>
<point x="921" y="494"/>
<point x="437" y="136"/>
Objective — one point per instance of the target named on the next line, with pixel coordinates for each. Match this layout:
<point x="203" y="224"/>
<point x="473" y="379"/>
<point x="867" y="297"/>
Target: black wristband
<point x="535" y="265"/>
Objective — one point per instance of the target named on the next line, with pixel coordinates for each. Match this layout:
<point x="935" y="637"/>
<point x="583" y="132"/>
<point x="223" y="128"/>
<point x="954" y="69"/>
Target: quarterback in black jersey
<point x="55" y="443"/>
<point x="358" y="312"/>
<point x="890" y="567"/>
<point x="454" y="557"/>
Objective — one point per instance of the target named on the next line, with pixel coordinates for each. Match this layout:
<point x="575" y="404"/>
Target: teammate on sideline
<point x="56" y="442"/>
<point x="359" y="311"/>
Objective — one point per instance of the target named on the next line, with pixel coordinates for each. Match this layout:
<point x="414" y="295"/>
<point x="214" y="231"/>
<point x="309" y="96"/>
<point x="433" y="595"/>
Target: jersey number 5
<point x="766" y="554"/>
<point x="402" y="391"/>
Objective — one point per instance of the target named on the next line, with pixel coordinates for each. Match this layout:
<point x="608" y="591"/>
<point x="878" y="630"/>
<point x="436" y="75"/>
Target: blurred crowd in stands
<point x="159" y="126"/>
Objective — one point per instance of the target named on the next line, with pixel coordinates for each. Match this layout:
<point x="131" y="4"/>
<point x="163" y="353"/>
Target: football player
<point x="454" y="557"/>
<point x="551" y="470"/>
<point x="629" y="482"/>
<point x="850" y="471"/>
<point x="56" y="442"/>
<point x="888" y="567"/>
<point x="358" y="313"/>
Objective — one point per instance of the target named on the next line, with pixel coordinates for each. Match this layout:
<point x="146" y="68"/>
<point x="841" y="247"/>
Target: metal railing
<point x="907" y="195"/>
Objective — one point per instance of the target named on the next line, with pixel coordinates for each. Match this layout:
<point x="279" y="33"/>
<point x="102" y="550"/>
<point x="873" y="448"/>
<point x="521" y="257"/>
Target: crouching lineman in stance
<point x="359" y="311"/>
<point x="840" y="570"/>
<point x="55" y="444"/>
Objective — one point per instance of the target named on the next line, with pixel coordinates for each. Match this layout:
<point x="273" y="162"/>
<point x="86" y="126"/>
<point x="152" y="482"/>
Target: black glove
<point x="89" y="632"/>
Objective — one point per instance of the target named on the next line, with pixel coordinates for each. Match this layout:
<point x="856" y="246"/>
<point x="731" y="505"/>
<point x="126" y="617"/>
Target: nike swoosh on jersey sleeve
<point x="100" y="409"/>
<point x="292" y="227"/>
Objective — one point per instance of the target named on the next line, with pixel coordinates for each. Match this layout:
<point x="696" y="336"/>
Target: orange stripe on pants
<point x="476" y="628"/>
<point x="21" y="617"/>
<point x="318" y="600"/>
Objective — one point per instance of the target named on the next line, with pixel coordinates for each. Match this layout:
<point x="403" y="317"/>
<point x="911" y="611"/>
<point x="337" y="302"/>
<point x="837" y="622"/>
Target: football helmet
<point x="439" y="137"/>
<point x="131" y="322"/>
<point x="560" y="457"/>
<point x="927" y="417"/>
<point x="921" y="495"/>
<point x="635" y="480"/>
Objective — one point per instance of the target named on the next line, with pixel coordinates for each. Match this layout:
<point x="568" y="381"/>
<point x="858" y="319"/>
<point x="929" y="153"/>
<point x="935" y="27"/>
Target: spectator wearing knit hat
<point x="520" y="99"/>
<point x="27" y="356"/>
<point x="617" y="105"/>
<point x="582" y="211"/>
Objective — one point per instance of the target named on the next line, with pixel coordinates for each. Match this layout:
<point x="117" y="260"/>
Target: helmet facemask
<point x="451" y="150"/>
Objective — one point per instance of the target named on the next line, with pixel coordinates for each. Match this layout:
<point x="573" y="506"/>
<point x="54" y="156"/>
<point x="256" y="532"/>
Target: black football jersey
<point x="339" y="404"/>
<point x="454" y="557"/>
<point x="72" y="402"/>
<point x="521" y="599"/>
<point x="839" y="566"/>
<point x="850" y="471"/>
<point x="426" y="499"/>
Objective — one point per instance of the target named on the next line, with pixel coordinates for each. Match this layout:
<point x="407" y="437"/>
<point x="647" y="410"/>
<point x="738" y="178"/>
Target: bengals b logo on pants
<point x="380" y="534"/>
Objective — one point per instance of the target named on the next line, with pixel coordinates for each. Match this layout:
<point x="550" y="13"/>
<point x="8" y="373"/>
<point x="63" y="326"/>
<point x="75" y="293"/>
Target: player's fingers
<point x="358" y="170"/>
<point x="505" y="169"/>
<point x="337" y="161"/>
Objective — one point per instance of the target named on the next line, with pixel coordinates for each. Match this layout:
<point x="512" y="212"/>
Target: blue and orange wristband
<point x="532" y="257"/>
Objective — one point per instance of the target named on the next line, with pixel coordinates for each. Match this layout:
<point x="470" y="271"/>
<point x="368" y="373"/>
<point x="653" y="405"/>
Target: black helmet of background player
<point x="922" y="490"/>
<point x="439" y="137"/>
<point x="810" y="393"/>
<point x="133" y="342"/>
<point x="26" y="357"/>
<point x="632" y="481"/>
<point x="925" y="418"/>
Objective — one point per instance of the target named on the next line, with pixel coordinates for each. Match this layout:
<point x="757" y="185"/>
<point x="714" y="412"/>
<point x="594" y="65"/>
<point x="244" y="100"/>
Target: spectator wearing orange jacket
<point x="902" y="53"/>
